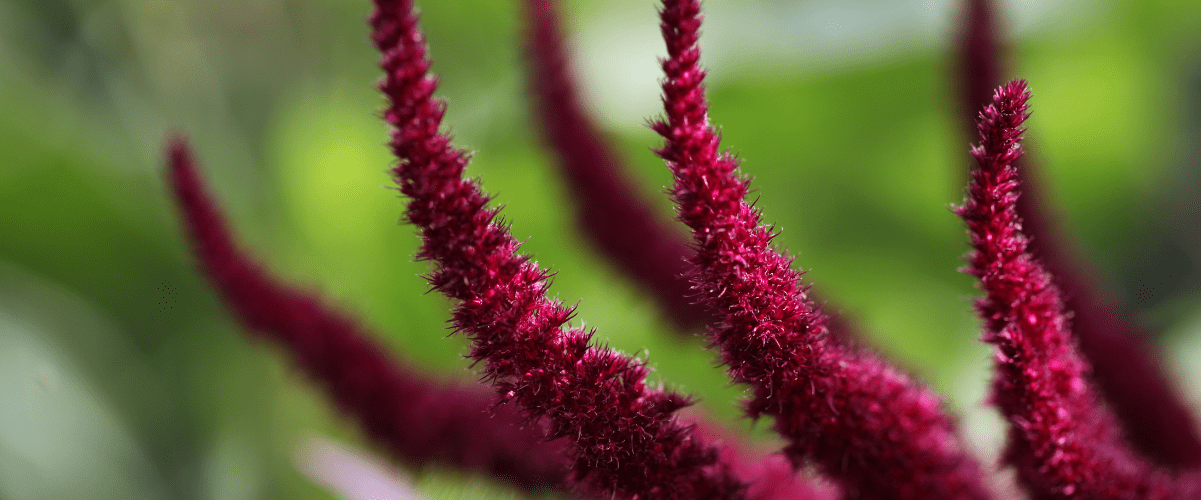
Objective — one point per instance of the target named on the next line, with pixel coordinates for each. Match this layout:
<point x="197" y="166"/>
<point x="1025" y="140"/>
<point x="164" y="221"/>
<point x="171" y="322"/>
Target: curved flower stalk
<point x="611" y="214"/>
<point x="422" y="421"/>
<point x="627" y="440"/>
<point x="418" y="420"/>
<point x="842" y="411"/>
<point x="866" y="425"/>
<point x="618" y="223"/>
<point x="1126" y="368"/>
<point x="1061" y="438"/>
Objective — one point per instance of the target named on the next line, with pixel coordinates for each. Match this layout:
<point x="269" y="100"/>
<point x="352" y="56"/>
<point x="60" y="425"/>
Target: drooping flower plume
<point x="622" y="226"/>
<point x="843" y="412"/>
<point x="627" y="441"/>
<point x="865" y="423"/>
<point x="419" y="420"/>
<point x="611" y="214"/>
<point x="1062" y="439"/>
<point x="1128" y="373"/>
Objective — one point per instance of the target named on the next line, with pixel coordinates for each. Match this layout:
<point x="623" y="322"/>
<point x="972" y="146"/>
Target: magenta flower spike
<point x="1062" y="440"/>
<point x="419" y="420"/>
<point x="1126" y="368"/>
<point x="610" y="213"/>
<point x="871" y="428"/>
<point x="627" y="442"/>
<point x="843" y="412"/>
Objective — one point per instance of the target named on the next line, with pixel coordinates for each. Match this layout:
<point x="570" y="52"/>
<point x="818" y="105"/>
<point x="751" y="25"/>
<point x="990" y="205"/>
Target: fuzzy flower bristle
<point x="868" y="426"/>
<point x="1062" y="440"/>
<point x="1128" y="372"/>
<point x="621" y="226"/>
<point x="627" y="442"/>
<point x="419" y="420"/>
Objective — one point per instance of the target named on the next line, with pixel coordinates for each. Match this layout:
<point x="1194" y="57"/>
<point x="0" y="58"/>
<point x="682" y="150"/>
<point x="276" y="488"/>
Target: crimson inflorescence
<point x="419" y="420"/>
<point x="583" y="420"/>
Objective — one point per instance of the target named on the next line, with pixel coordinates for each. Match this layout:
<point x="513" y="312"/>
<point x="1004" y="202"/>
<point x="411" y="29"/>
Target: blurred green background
<point x="122" y="376"/>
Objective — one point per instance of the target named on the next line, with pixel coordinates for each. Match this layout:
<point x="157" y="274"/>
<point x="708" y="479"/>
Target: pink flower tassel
<point x="1126" y="368"/>
<point x="418" y="420"/>
<point x="1063" y="441"/>
<point x="610" y="212"/>
<point x="627" y="441"/>
<point x="866" y="425"/>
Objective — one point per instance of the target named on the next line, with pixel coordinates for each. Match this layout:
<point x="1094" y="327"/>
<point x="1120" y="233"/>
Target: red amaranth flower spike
<point x="865" y="424"/>
<point x="627" y="441"/>
<point x="418" y="420"/>
<point x="1063" y="441"/>
<point x="610" y="213"/>
<point x="1126" y="368"/>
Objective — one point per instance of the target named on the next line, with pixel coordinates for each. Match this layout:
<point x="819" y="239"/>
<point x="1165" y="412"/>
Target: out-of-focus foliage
<point x="121" y="376"/>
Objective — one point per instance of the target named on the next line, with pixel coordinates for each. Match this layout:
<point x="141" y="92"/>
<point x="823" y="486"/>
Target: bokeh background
<point x="122" y="376"/>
